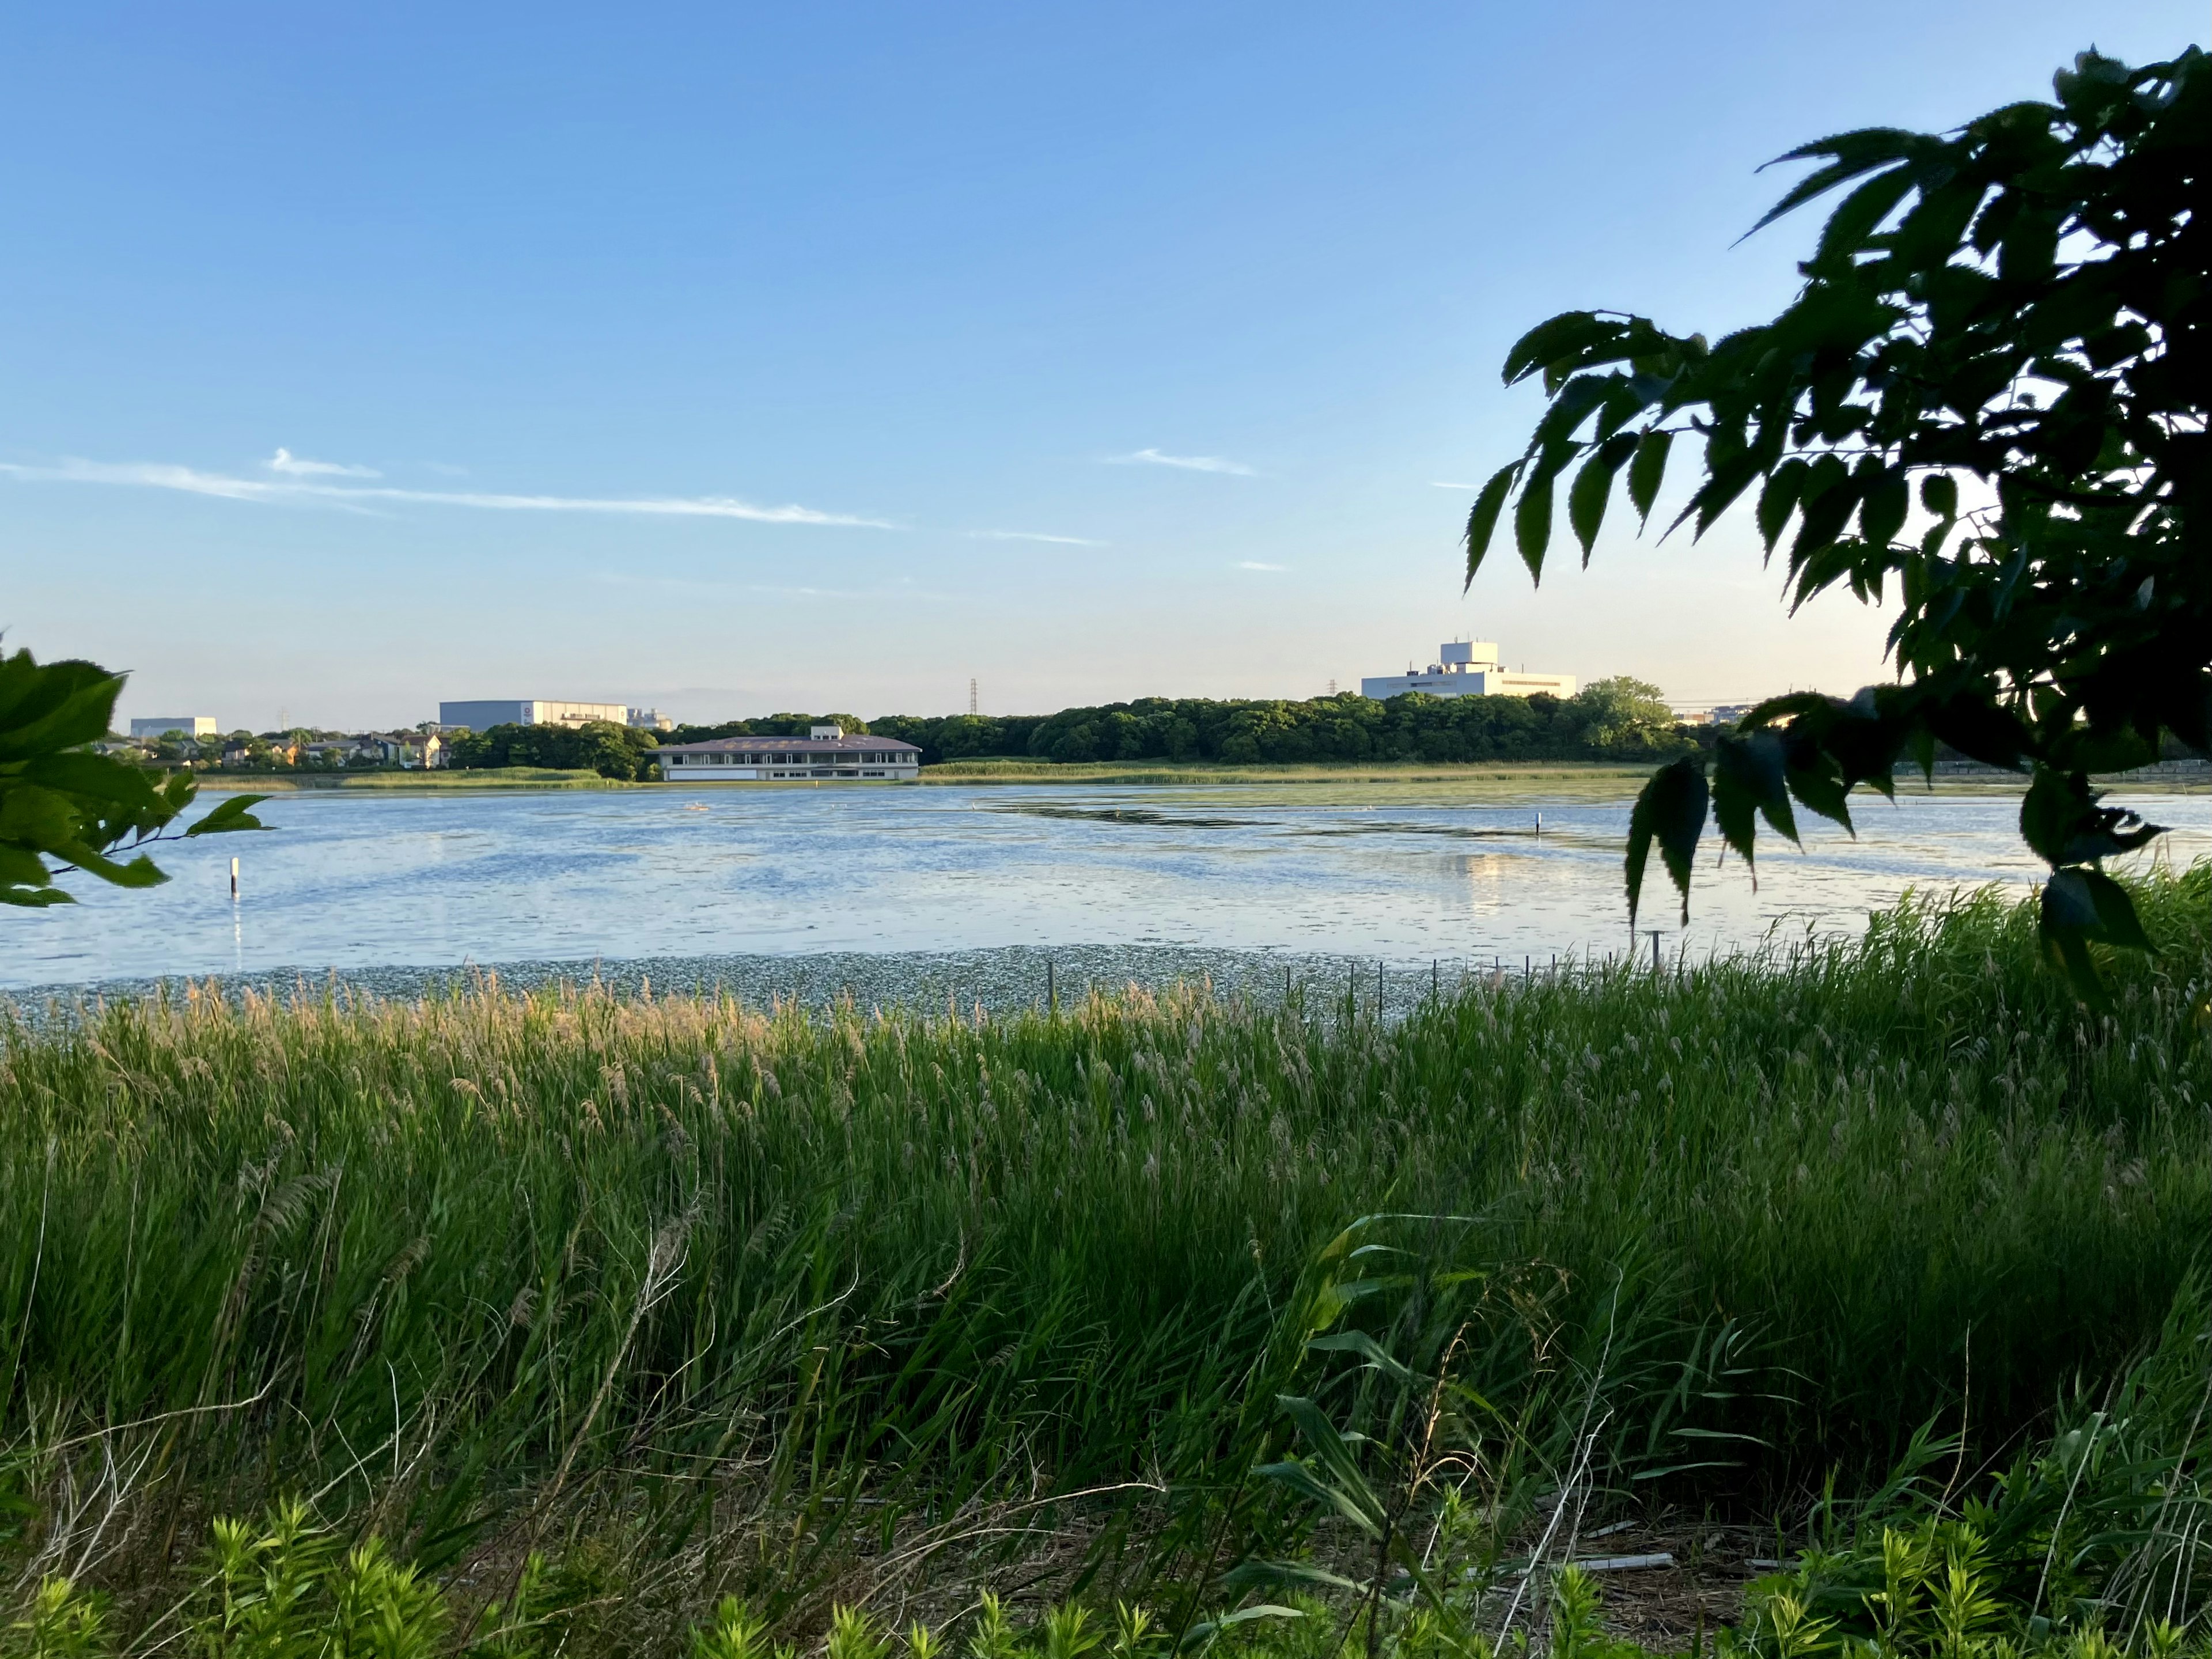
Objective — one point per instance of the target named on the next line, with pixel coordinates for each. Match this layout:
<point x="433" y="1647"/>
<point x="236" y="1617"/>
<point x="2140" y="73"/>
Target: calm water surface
<point x="1133" y="879"/>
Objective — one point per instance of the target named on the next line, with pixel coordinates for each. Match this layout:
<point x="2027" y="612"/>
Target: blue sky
<point x="740" y="357"/>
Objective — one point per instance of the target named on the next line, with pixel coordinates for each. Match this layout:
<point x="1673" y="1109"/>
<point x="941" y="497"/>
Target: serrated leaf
<point x="1778" y="500"/>
<point x="1648" y="469"/>
<point x="1593" y="488"/>
<point x="1482" y="521"/>
<point x="1558" y="338"/>
<point x="1749" y="778"/>
<point x="1882" y="508"/>
<point x="1670" y="809"/>
<point x="1939" y="493"/>
<point x="1532" y="524"/>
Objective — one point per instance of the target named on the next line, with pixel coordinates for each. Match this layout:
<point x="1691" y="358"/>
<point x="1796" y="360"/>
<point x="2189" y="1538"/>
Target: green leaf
<point x="56" y="705"/>
<point x="1671" y="809"/>
<point x="2081" y="908"/>
<point x="36" y="898"/>
<point x="1346" y="1489"/>
<point x="1778" y="500"/>
<point x="1369" y="1349"/>
<point x="1749" y="777"/>
<point x="1593" y="488"/>
<point x="1285" y="1575"/>
<point x="1648" y="469"/>
<point x="1532" y="524"/>
<point x="1882" y="510"/>
<point x="1939" y="493"/>
<point x="233" y="813"/>
<point x="1482" y="522"/>
<point x="2061" y="819"/>
<point x="1557" y="339"/>
<point x="1850" y="155"/>
<point x="95" y="777"/>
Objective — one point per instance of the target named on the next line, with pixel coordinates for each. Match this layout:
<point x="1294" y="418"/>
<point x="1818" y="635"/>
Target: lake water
<point x="910" y="893"/>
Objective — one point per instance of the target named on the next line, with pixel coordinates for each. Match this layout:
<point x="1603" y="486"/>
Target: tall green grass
<point x="459" y="1266"/>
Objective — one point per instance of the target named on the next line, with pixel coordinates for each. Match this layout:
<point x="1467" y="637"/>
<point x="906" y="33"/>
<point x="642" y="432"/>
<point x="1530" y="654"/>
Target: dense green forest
<point x="1612" y="719"/>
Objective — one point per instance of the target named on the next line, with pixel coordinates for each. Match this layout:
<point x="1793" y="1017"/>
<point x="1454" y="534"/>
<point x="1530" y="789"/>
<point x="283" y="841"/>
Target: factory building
<point x="182" y="726"/>
<point x="484" y="714"/>
<point x="1469" y="668"/>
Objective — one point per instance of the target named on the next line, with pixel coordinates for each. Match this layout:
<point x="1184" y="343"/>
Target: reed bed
<point x="492" y="1268"/>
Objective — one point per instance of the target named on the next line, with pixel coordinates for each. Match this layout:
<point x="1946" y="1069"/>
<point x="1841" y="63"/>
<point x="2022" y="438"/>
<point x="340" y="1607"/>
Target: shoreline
<point x="2170" y="777"/>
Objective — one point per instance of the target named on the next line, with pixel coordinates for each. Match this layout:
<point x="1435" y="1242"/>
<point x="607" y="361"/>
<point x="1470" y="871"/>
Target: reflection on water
<point x="355" y="881"/>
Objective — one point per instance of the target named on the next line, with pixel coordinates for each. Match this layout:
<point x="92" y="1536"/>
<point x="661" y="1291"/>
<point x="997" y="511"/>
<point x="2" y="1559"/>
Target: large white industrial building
<point x="1469" y="668"/>
<point x="160" y="725"/>
<point x="827" y="755"/>
<point x="484" y="714"/>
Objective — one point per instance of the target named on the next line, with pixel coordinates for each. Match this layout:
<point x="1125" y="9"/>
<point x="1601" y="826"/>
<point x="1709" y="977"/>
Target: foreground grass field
<point x="707" y="1299"/>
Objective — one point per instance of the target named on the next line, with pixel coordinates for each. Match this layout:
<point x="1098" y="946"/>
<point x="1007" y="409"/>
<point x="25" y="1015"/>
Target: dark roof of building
<point x="849" y="744"/>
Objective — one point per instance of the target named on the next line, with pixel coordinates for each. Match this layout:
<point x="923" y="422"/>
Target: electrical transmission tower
<point x="971" y="695"/>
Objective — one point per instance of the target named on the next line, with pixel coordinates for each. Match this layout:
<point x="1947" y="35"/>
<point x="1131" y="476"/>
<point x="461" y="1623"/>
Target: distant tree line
<point x="1612" y="719"/>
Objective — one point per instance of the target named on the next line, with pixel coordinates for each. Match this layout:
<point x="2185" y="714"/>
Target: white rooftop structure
<point x="1468" y="668"/>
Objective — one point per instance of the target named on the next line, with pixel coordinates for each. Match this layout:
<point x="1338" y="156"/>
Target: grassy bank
<point x="500" y="777"/>
<point x="1571" y="775"/>
<point x="769" y="1297"/>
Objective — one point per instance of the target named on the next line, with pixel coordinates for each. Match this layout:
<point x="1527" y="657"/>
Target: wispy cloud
<point x="1254" y="564"/>
<point x="1439" y="483"/>
<point x="1032" y="536"/>
<point x="193" y="481"/>
<point x="1187" y="463"/>
<point x="299" y="466"/>
<point x="903" y="588"/>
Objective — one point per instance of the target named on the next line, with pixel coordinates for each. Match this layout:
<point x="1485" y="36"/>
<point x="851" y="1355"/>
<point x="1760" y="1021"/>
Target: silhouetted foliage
<point x="2018" y="306"/>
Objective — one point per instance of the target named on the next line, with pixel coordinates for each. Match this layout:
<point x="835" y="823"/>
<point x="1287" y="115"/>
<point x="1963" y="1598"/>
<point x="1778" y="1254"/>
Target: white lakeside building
<point x="1468" y="668"/>
<point x="827" y="755"/>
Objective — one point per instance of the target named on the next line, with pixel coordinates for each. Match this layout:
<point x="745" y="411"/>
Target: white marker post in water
<point x="234" y="881"/>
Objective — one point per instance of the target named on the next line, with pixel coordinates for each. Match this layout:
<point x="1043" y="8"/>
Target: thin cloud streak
<point x="1187" y="463"/>
<point x="1255" y="564"/>
<point x="299" y="466"/>
<point x="1033" y="536"/>
<point x="1439" y="483"/>
<point x="190" y="481"/>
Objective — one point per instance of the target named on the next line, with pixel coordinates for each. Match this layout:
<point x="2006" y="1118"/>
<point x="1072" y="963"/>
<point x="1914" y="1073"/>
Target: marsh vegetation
<point x="700" y="1299"/>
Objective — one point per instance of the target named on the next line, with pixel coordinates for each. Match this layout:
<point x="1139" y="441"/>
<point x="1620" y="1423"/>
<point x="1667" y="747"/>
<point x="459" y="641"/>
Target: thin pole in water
<point x="1436" y="979"/>
<point x="1654" y="933"/>
<point x="233" y="880"/>
<point x="1051" y="989"/>
<point x="1540" y="826"/>
<point x="1379" y="985"/>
